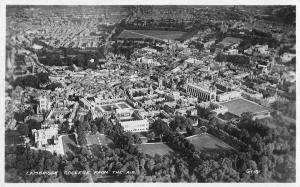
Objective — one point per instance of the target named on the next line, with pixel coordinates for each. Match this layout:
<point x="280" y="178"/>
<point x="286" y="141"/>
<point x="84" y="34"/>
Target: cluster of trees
<point x="128" y="46"/>
<point x="197" y="45"/>
<point x="235" y="59"/>
<point x="292" y="63"/>
<point x="122" y="139"/>
<point x="273" y="145"/>
<point x="126" y="157"/>
<point x="103" y="125"/>
<point x="68" y="56"/>
<point x="122" y="50"/>
<point x="261" y="148"/>
<point x="54" y="85"/>
<point x="82" y="127"/>
<point x="288" y="109"/>
<point x="80" y="60"/>
<point x="19" y="160"/>
<point x="138" y="94"/>
<point x="180" y="123"/>
<point x="223" y="135"/>
<point x="206" y="167"/>
<point x="25" y="128"/>
<point x="169" y="168"/>
<point x="204" y="113"/>
<point x="257" y="37"/>
<point x="286" y="14"/>
<point x="22" y="114"/>
<point x="33" y="81"/>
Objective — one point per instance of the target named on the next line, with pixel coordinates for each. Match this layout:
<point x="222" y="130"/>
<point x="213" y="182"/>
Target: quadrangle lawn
<point x="96" y="139"/>
<point x="209" y="143"/>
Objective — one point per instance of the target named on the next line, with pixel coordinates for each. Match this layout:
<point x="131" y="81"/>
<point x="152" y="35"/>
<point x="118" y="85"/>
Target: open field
<point x="152" y="34"/>
<point x="239" y="106"/>
<point x="155" y="148"/>
<point x="209" y="143"/>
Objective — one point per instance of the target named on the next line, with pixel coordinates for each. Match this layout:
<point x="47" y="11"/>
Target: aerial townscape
<point x="104" y="94"/>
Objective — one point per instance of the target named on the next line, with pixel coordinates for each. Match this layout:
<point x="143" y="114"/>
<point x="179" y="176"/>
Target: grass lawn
<point x="239" y="106"/>
<point x="153" y="149"/>
<point x="97" y="143"/>
<point x="98" y="139"/>
<point x="109" y="107"/>
<point x="209" y="143"/>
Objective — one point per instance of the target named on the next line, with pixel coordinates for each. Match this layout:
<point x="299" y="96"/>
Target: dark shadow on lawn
<point x="75" y="149"/>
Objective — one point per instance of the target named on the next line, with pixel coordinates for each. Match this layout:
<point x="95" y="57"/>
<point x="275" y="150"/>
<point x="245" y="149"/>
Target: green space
<point x="152" y="34"/>
<point x="156" y="148"/>
<point x="239" y="106"/>
<point x="208" y="143"/>
<point x="12" y="138"/>
<point x="69" y="144"/>
<point x="95" y="139"/>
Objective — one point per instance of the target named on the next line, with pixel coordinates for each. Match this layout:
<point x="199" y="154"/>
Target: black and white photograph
<point x="149" y="93"/>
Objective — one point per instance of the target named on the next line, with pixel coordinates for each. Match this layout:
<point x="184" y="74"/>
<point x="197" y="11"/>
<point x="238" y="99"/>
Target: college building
<point x="202" y="91"/>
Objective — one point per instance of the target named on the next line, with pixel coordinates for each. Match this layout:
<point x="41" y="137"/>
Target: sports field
<point x="152" y="34"/>
<point x="239" y="106"/>
<point x="208" y="143"/>
<point x="153" y="149"/>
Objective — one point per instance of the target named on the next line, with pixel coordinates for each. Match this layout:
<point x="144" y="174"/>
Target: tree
<point x="81" y="139"/>
<point x="23" y="129"/>
<point x="94" y="128"/>
<point x="151" y="135"/>
<point x="190" y="130"/>
<point x="65" y="127"/>
<point x="43" y="77"/>
<point x="160" y="127"/>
